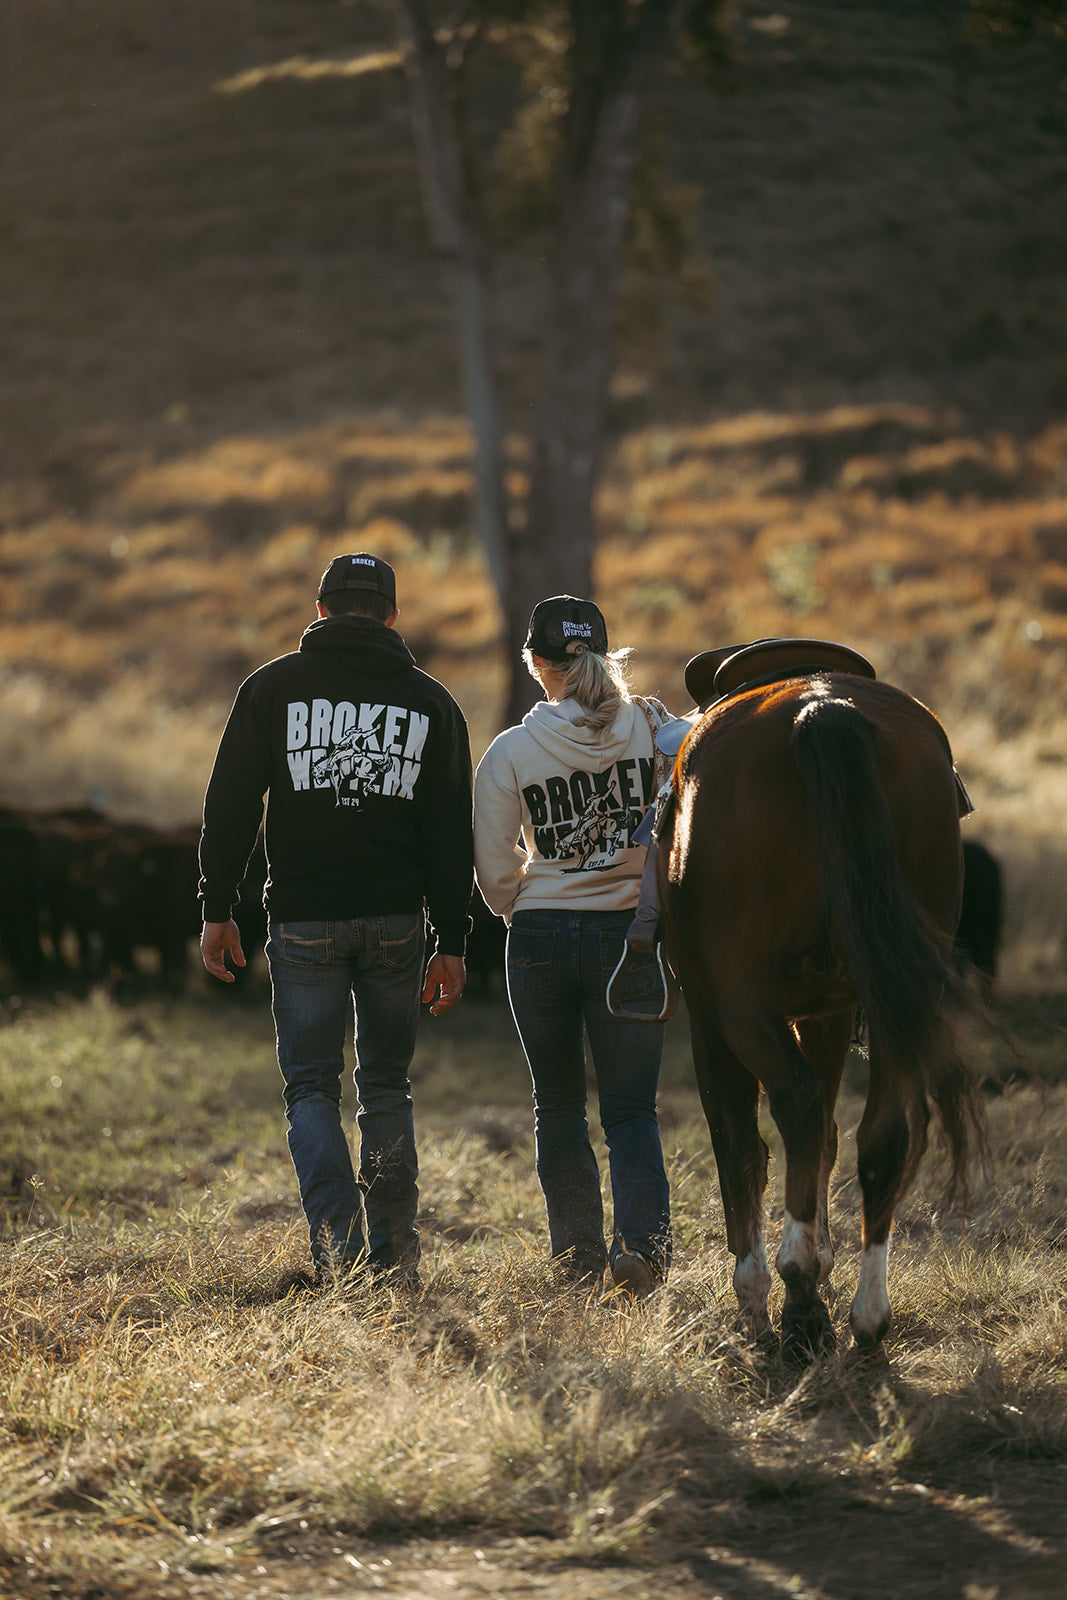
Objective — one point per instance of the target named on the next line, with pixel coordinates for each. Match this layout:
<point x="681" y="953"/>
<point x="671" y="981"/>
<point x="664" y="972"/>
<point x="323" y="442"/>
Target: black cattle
<point x="109" y="889"/>
<point x="981" y="917"/>
<point x="163" y="910"/>
<point x="20" y="898"/>
<point x="250" y="915"/>
<point x="486" y="944"/>
<point x="73" y="842"/>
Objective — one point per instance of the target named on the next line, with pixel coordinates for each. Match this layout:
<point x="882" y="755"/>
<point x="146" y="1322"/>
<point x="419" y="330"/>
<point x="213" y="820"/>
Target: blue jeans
<point x="559" y="963"/>
<point x="318" y="970"/>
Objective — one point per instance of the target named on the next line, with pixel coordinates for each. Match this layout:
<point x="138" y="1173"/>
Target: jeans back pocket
<point x="530" y="952"/>
<point x="309" y="943"/>
<point x="401" y="940"/>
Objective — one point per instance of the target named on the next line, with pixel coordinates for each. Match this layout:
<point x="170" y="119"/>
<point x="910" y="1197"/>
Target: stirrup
<point x="670" y="989"/>
<point x="641" y="934"/>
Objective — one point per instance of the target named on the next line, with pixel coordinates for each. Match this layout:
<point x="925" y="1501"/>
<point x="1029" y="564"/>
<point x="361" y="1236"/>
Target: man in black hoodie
<point x="366" y="765"/>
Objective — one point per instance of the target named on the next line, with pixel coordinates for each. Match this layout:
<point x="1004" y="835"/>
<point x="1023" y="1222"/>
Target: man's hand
<point x="216" y="940"/>
<point x="450" y="973"/>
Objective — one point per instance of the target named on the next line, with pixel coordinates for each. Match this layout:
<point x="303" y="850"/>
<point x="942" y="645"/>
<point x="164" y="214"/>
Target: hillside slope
<point x="227" y="354"/>
<point x="212" y="212"/>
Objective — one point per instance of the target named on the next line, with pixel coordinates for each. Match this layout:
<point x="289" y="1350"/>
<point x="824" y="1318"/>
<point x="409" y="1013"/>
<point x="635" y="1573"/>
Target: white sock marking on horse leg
<point x="752" y="1284"/>
<point x="870" y="1309"/>
<point x="796" y="1253"/>
<point x="823" y="1248"/>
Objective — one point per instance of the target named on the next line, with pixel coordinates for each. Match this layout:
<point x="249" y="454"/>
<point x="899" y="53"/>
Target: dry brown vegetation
<point x="170" y="1428"/>
<point x="126" y="628"/>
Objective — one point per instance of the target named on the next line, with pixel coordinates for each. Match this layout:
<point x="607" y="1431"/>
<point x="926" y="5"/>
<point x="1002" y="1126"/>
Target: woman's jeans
<point x="559" y="963"/>
<point x="318" y="970"/>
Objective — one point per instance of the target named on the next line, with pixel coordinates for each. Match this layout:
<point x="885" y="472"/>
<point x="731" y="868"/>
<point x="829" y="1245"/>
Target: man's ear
<point x="321" y="609"/>
<point x="390" y="621"/>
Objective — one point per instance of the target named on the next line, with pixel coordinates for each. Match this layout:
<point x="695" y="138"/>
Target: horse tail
<point x="901" y="969"/>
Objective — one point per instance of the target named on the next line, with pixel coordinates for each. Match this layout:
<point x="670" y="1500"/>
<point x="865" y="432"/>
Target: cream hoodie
<point x="555" y="808"/>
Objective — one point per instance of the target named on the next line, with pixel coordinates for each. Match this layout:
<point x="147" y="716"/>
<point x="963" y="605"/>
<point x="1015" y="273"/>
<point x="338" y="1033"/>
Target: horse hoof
<point x="756" y="1330"/>
<point x="799" y="1351"/>
<point x="868" y="1357"/>
<point x="766" y="1342"/>
<point x="763" y="1342"/>
<point x="870" y="1338"/>
<point x="807" y="1335"/>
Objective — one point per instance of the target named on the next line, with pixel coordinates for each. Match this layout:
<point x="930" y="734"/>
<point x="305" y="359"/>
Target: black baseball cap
<point x="559" y="625"/>
<point x="359" y="572"/>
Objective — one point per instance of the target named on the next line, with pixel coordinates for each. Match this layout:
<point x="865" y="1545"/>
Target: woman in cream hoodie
<point x="556" y="803"/>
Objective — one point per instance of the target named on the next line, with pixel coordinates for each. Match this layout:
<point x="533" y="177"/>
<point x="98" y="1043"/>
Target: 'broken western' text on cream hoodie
<point x="555" y="808"/>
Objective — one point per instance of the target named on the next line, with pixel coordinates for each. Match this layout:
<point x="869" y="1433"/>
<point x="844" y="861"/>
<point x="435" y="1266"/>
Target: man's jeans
<point x="318" y="969"/>
<point x="559" y="963"/>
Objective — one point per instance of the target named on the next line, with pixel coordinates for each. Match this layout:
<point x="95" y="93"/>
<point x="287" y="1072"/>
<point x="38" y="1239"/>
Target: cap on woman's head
<point x="562" y="627"/>
<point x="359" y="572"/>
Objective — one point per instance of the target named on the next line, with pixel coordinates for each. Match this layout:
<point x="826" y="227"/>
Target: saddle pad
<point x="672" y="735"/>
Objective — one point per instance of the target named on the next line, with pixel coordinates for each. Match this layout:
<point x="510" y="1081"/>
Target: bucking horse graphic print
<point x="598" y="834"/>
<point x="588" y="819"/>
<point x="355" y="750"/>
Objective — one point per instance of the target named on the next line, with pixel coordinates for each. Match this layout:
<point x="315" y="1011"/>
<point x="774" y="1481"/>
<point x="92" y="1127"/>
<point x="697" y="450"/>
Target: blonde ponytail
<point x="598" y="683"/>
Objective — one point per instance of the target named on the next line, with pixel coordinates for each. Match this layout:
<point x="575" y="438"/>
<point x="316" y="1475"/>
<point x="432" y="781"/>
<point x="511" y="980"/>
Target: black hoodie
<point x="366" y="764"/>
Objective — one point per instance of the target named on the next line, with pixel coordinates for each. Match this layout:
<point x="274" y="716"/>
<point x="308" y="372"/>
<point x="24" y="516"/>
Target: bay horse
<point x="813" y="865"/>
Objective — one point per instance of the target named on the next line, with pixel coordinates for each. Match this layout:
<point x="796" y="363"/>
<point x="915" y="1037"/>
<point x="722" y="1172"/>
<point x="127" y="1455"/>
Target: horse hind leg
<point x="824" y="1042"/>
<point x="890" y="1139"/>
<point x="730" y="1099"/>
<point x="801" y="1101"/>
<point x="758" y="1035"/>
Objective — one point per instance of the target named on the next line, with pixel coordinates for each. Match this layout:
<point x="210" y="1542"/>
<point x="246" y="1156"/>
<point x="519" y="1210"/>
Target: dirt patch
<point x="1003" y="1535"/>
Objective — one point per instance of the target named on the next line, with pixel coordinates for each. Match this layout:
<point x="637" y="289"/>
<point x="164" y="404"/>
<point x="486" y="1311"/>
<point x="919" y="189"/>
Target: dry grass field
<point x="170" y="1429"/>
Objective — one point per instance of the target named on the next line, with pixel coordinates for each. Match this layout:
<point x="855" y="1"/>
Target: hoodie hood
<point x="555" y="730"/>
<point x="367" y="646"/>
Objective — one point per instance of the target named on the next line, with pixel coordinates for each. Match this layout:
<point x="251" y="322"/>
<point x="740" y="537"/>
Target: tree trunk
<point x="449" y="196"/>
<point x="614" y="69"/>
<point x="615" y="60"/>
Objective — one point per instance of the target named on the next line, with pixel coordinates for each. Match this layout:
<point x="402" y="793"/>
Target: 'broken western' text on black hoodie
<point x="366" y="764"/>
